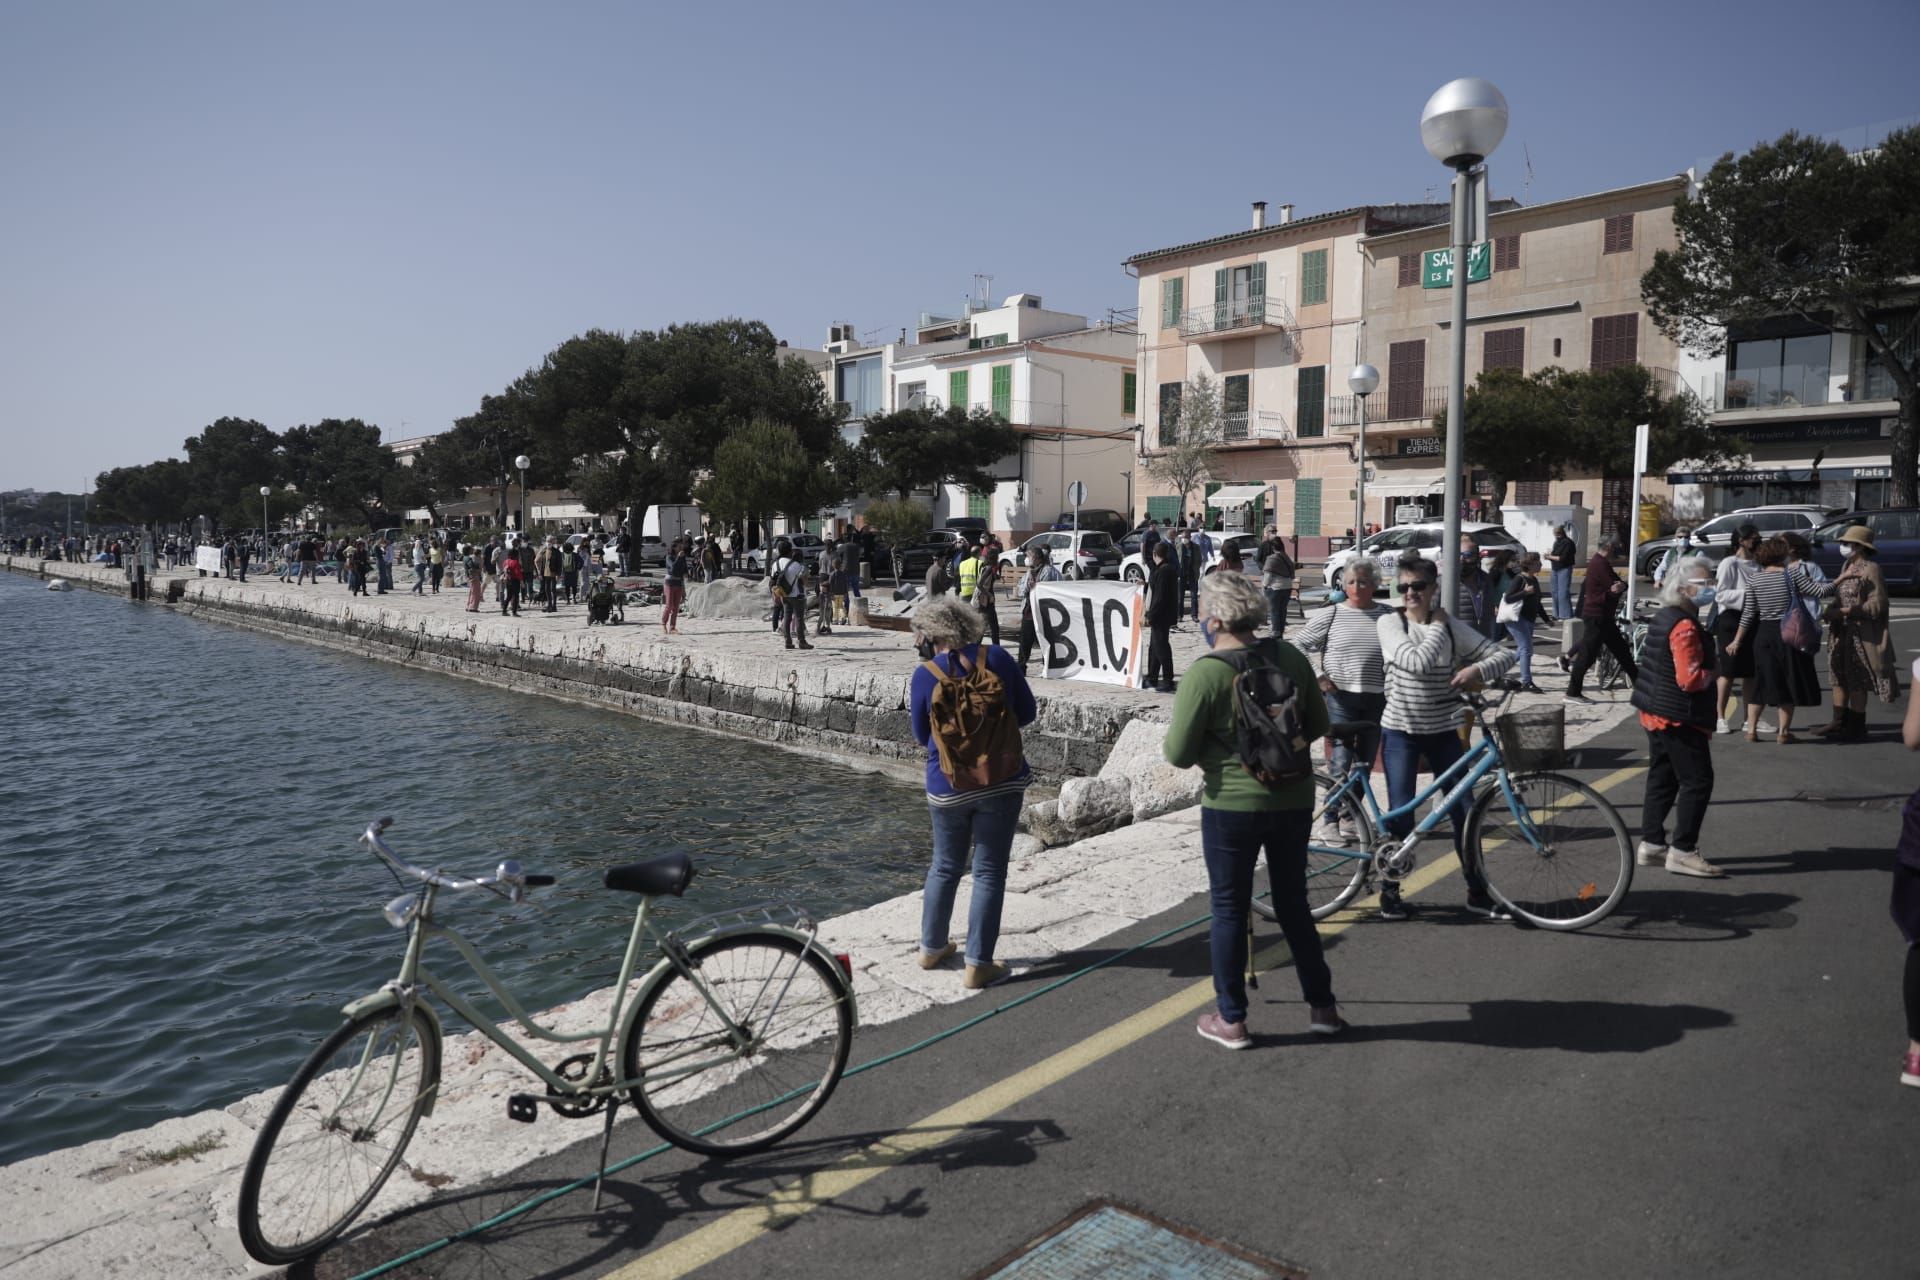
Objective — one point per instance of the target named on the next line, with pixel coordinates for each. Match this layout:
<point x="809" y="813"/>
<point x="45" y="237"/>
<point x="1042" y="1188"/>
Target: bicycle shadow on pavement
<point x="1568" y="1026"/>
<point x="1685" y="915"/>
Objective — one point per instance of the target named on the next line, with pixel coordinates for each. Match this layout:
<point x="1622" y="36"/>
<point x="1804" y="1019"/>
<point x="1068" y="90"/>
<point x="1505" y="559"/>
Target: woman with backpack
<point x="969" y="701"/>
<point x="1241" y="812"/>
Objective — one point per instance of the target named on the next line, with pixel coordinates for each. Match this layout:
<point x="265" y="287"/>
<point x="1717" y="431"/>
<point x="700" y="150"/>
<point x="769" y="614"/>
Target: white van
<point x="662" y="525"/>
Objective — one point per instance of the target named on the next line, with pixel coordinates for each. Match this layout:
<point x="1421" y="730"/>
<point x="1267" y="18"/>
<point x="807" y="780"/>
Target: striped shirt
<point x="1766" y="595"/>
<point x="1348" y="638"/>
<point x="1421" y="658"/>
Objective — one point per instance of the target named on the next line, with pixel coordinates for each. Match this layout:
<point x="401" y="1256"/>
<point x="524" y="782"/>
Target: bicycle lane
<point x="1507" y="1098"/>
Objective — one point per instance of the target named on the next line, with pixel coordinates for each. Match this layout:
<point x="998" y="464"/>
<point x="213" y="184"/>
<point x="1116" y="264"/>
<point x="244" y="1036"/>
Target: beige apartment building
<point x="1562" y="288"/>
<point x="1273" y="314"/>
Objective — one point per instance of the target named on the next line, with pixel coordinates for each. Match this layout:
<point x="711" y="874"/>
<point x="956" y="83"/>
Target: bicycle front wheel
<point x="702" y="1089"/>
<point x="1557" y="853"/>
<point x="337" y="1132"/>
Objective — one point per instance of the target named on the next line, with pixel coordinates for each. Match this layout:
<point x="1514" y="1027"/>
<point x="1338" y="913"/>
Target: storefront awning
<point x="1796" y="471"/>
<point x="1404" y="488"/>
<point x="1237" y="495"/>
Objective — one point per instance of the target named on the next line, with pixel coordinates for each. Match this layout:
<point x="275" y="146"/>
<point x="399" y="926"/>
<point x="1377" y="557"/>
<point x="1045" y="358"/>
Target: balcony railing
<point x="1779" y="387"/>
<point x="1031" y="413"/>
<point x="1237" y="319"/>
<point x="1344" y="411"/>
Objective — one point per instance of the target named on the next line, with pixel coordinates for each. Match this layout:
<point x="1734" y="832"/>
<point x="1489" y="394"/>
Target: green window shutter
<point x="1129" y="391"/>
<point x="1257" y="291"/>
<point x="1221" y="292"/>
<point x="1003" y="392"/>
<point x="1313" y="277"/>
<point x="1306" y="508"/>
<point x="1310" y="404"/>
<point x="980" y="505"/>
<point x="957" y="389"/>
<point x="1172" y="294"/>
<point x="1166" y="508"/>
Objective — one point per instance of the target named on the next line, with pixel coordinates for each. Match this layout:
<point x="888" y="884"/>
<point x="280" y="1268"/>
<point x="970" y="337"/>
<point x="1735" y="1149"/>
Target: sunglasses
<point x="1413" y="588"/>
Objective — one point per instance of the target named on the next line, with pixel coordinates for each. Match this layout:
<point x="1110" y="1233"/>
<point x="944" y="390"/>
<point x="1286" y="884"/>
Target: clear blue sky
<point x="292" y="211"/>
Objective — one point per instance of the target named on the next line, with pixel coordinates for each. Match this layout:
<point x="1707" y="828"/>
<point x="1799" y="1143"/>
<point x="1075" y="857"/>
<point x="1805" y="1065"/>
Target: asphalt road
<point x="1703" y="1085"/>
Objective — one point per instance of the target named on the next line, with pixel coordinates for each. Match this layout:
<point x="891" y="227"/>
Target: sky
<point x="292" y="211"/>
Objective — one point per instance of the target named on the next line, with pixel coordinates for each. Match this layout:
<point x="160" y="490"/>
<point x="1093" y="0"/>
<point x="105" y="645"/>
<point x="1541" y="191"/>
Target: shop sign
<point x="1436" y="266"/>
<point x="1798" y="432"/>
<point x="1422" y="447"/>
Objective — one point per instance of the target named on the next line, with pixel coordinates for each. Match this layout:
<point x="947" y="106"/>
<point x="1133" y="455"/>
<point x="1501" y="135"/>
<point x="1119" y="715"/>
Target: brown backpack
<point x="973" y="727"/>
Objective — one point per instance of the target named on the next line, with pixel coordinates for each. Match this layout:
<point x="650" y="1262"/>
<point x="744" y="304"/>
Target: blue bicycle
<point x="1550" y="847"/>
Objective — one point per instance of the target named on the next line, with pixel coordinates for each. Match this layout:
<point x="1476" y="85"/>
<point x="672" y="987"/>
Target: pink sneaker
<point x="1909" y="1070"/>
<point x="1217" y="1029"/>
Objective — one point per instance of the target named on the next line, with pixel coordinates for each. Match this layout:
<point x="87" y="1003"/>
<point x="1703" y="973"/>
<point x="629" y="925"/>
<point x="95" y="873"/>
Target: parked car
<point x="1134" y="567"/>
<point x="1896" y="542"/>
<point x="1714" y="538"/>
<point x="1104" y="518"/>
<point x="805" y="545"/>
<point x="1388" y="545"/>
<point x="1089" y="553"/>
<point x="972" y="528"/>
<point x="910" y="560"/>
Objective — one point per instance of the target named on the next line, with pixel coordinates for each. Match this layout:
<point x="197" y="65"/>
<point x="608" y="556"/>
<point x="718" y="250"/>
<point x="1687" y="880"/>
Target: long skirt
<point x="1782" y="675"/>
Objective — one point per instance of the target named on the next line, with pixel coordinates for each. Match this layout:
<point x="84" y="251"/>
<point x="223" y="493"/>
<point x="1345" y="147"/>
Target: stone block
<point x="1094" y="804"/>
<point x="1157" y="787"/>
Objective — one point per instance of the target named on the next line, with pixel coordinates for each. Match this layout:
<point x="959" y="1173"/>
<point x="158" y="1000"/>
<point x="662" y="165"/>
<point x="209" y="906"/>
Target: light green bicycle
<point x="734" y="1039"/>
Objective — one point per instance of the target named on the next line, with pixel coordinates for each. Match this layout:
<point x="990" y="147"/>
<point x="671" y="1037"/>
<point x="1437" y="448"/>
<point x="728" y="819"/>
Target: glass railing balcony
<point x="1774" y="387"/>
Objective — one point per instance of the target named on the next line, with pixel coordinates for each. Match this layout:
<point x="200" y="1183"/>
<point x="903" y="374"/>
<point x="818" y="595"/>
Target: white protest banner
<point x="206" y="559"/>
<point x="1089" y="631"/>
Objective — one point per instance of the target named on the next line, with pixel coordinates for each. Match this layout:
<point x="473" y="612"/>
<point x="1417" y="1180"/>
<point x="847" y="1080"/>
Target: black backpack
<point x="1268" y="731"/>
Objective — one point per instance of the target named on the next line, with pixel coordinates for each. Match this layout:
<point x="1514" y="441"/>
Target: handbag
<point x="1797" y="626"/>
<point x="1509" y="610"/>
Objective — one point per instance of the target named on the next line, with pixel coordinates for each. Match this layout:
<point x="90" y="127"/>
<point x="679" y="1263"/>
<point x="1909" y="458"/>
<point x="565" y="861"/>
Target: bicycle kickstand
<point x="606" y="1137"/>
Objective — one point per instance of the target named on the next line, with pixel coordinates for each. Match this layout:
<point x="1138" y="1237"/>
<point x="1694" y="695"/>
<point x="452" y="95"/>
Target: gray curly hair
<point x="949" y="622"/>
<point x="1684" y="570"/>
<point x="1232" y="599"/>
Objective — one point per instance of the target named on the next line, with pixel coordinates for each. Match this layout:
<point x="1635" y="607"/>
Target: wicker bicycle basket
<point x="1535" y="738"/>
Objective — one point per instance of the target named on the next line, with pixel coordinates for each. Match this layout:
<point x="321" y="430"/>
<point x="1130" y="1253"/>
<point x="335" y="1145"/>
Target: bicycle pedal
<point x="523" y="1107"/>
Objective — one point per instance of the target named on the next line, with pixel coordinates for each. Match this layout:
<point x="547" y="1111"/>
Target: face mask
<point x="1206" y="631"/>
<point x="1847" y="550"/>
<point x="1705" y="594"/>
<point x="925" y="650"/>
<point x="1487" y="565"/>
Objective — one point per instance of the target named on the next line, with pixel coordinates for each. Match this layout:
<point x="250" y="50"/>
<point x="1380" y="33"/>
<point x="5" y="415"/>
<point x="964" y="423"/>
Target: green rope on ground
<point x="548" y="1196"/>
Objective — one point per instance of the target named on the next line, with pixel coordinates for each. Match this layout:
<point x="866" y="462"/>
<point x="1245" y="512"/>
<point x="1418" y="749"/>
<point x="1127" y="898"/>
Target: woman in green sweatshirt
<point x="1240" y="816"/>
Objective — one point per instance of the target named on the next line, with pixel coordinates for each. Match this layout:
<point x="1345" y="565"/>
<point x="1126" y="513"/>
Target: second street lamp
<point x="265" y="537"/>
<point x="1461" y="125"/>
<point x="1362" y="382"/>
<point x="523" y="462"/>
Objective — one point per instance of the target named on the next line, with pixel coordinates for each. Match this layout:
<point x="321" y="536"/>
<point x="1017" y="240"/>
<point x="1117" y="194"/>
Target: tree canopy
<point x="1799" y="227"/>
<point x="920" y="447"/>
<point x="765" y="470"/>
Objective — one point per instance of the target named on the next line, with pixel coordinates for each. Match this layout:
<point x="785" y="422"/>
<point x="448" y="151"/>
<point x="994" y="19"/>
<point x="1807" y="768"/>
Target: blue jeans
<point x="1277" y="598"/>
<point x="1231" y="843"/>
<point x="1360" y="709"/>
<point x="1563" y="594"/>
<point x="1189" y="588"/>
<point x="420" y="578"/>
<point x="1400" y="753"/>
<point x="1522" y="633"/>
<point x="980" y="833"/>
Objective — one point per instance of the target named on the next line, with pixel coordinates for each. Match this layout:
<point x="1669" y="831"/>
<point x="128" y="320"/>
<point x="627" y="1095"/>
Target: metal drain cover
<point x="1116" y="1242"/>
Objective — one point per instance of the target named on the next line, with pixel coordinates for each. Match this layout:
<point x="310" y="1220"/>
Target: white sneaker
<point x="1683" y="863"/>
<point x="1727" y="726"/>
<point x="1649" y="855"/>
<point x="1764" y="728"/>
<point x="1328" y="833"/>
<point x="1349" y="830"/>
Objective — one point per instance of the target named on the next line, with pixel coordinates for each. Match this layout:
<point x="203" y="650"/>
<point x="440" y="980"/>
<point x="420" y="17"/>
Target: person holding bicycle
<point x="1353" y="678"/>
<point x="1600" y="598"/>
<point x="1240" y="815"/>
<point x="1674" y="694"/>
<point x="1428" y="658"/>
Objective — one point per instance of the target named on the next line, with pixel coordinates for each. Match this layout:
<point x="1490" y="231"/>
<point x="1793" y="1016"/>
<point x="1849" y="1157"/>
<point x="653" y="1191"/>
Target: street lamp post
<point x="265" y="538"/>
<point x="1461" y="125"/>
<point x="1362" y="382"/>
<point x="523" y="462"/>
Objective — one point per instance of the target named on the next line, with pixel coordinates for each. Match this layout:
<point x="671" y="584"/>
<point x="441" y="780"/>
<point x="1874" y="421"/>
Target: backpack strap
<point x="938" y="674"/>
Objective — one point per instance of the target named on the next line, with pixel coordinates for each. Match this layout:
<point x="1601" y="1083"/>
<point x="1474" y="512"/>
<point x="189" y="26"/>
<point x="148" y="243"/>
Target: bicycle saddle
<point x="670" y="874"/>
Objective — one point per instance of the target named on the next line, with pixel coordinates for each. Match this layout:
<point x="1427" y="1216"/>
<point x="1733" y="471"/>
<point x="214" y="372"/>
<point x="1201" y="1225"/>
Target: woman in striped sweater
<point x="1783" y="676"/>
<point x="1428" y="658"/>
<point x="1347" y="636"/>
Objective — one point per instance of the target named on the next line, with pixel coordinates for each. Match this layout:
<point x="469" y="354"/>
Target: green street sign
<point x="1436" y="266"/>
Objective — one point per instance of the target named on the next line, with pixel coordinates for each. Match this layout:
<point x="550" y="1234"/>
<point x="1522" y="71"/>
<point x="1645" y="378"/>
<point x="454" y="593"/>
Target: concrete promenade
<point x="159" y="1201"/>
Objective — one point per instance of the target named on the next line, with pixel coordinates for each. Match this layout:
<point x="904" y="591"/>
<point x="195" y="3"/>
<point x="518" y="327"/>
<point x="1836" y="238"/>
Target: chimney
<point x="1286" y="214"/>
<point x="1259" y="214"/>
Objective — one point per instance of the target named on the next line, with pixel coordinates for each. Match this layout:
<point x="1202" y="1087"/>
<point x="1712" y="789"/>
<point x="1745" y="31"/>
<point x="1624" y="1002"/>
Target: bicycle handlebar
<point x="507" y="875"/>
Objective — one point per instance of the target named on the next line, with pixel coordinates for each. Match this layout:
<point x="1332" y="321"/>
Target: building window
<point x="1163" y="509"/>
<point x="1169" y="414"/>
<point x="1504" y="349"/>
<point x="1770" y="372"/>
<point x="1239" y="295"/>
<point x="1619" y="234"/>
<point x="1409" y="271"/>
<point x="1003" y="392"/>
<point x="1129" y="382"/>
<point x="1616" y="341"/>
<point x="913" y="395"/>
<point x="1313" y="277"/>
<point x="1306" y="508"/>
<point x="957" y="397"/>
<point x="1235" y="396"/>
<point x="1310" y="402"/>
<point x="979" y="505"/>
<point x="1172" y="296"/>
<point x="1506" y="253"/>
<point x="861" y="386"/>
<point x="1556" y="348"/>
<point x="1406" y="379"/>
<point x="1530" y="493"/>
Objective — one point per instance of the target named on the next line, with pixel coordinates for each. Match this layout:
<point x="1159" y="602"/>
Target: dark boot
<point x="1853" y="729"/>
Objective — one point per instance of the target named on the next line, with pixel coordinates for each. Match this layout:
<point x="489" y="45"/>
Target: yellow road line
<point x="805" y="1194"/>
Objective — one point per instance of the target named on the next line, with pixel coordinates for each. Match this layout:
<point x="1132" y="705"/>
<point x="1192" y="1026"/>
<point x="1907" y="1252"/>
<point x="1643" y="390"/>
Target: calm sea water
<point x="188" y="907"/>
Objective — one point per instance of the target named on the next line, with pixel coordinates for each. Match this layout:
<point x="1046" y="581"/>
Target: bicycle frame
<point x="404" y="991"/>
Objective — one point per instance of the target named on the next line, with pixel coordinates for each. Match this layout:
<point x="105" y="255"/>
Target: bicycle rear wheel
<point x="708" y="1095"/>
<point x="337" y="1132"/>
<point x="1335" y="871"/>
<point x="1558" y="854"/>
